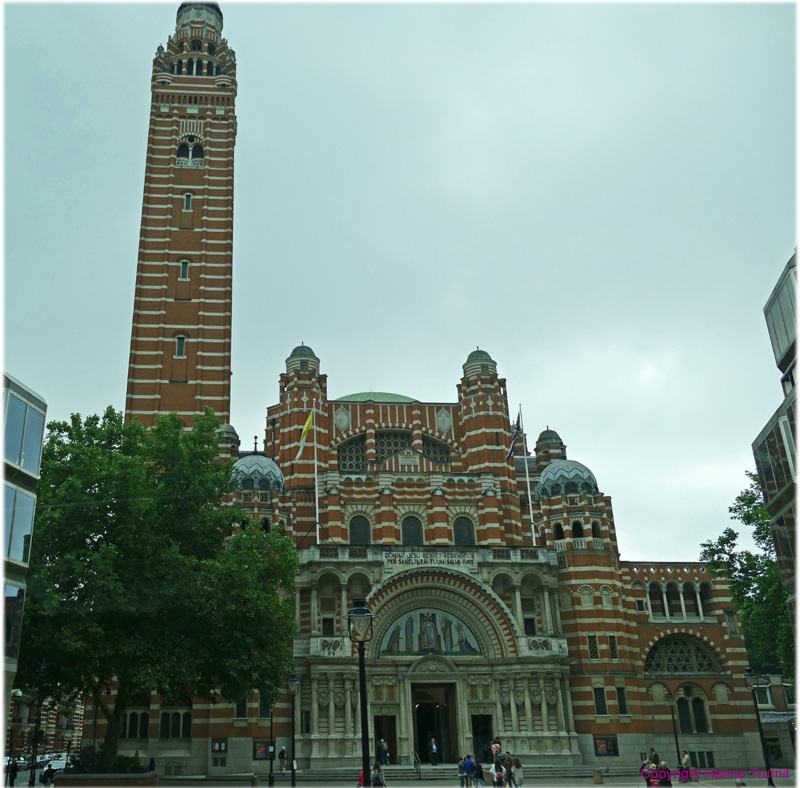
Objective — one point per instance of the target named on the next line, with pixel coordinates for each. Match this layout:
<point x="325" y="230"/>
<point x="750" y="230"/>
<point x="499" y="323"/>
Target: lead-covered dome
<point x="566" y="476"/>
<point x="479" y="362"/>
<point x="548" y="436"/>
<point x="302" y="359"/>
<point x="255" y="471"/>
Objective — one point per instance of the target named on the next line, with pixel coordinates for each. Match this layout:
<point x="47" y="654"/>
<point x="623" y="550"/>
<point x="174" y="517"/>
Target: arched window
<point x="412" y="532"/>
<point x="577" y="530"/>
<point x="676" y="654"/>
<point x="351" y="455"/>
<point x="211" y="48"/>
<point x="555" y="490"/>
<point x="210" y="69"/>
<point x="570" y="488"/>
<point x="197" y="152"/>
<point x="183" y="154"/>
<point x="596" y="530"/>
<point x="359" y="530"/>
<point x="692" y="710"/>
<point x="558" y="531"/>
<point x="177" y="67"/>
<point x="190" y="66"/>
<point x="180" y="346"/>
<point x="184" y="269"/>
<point x="463" y="532"/>
<point x="198" y="69"/>
<point x="197" y="45"/>
<point x="656" y="600"/>
<point x="674" y="601"/>
<point x="690" y="600"/>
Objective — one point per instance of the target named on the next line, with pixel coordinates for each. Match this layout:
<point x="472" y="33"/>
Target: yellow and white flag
<point x="309" y="426"/>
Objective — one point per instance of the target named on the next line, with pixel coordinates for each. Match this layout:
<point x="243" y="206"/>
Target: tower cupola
<point x="479" y="364"/>
<point x="302" y="359"/>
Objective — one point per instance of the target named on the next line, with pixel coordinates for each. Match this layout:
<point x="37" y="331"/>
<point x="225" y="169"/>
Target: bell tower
<point x="180" y="352"/>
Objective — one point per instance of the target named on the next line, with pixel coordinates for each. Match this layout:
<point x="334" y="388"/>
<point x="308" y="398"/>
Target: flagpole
<point x="527" y="472"/>
<point x="316" y="494"/>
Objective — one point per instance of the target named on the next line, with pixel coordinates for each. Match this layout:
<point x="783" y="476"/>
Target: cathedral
<point x="501" y="605"/>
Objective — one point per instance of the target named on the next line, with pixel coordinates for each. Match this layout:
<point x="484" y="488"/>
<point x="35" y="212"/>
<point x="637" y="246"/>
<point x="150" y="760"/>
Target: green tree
<point x="755" y="584"/>
<point x="141" y="579"/>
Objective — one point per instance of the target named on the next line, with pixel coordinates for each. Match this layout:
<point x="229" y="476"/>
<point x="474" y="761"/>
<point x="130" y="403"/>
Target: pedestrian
<point x="47" y="775"/>
<point x="376" y="777"/>
<point x="508" y="764"/>
<point x="517" y="772"/>
<point x="282" y="759"/>
<point x="480" y="781"/>
<point x="12" y="771"/>
<point x="486" y="751"/>
<point x="654" y="759"/>
<point x="469" y="768"/>
<point x="645" y="771"/>
<point x="498" y="774"/>
<point x="433" y="753"/>
<point x="663" y="774"/>
<point x="685" y="767"/>
<point x="495" y="748"/>
<point x="382" y="754"/>
<point x="462" y="773"/>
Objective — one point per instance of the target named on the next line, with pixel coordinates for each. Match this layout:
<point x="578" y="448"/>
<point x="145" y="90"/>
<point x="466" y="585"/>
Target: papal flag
<point x="515" y="432"/>
<point x="309" y="426"/>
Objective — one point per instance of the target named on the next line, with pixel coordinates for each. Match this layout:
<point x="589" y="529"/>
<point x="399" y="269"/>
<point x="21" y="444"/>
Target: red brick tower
<point x="181" y="337"/>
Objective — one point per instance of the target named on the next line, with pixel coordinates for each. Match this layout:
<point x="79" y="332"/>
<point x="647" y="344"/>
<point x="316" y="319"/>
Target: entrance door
<point x="481" y="734"/>
<point x="435" y="718"/>
<point x="386" y="729"/>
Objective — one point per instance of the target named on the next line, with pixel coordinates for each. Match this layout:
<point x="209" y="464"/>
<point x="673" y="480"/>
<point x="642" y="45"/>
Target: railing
<point x="578" y="544"/>
<point x="417" y="765"/>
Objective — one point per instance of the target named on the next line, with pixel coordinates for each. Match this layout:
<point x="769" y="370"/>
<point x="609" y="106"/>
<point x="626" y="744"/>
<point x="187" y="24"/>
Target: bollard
<point x="598" y="776"/>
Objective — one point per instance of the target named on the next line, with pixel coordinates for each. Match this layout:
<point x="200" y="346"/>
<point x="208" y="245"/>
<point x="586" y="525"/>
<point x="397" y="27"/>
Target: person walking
<point x="433" y="753"/>
<point x="469" y="768"/>
<point x="462" y="774"/>
<point x="376" y="779"/>
<point x="480" y="780"/>
<point x="282" y="759"/>
<point x="654" y="759"/>
<point x="517" y="772"/>
<point x="12" y="771"/>
<point x="498" y="774"/>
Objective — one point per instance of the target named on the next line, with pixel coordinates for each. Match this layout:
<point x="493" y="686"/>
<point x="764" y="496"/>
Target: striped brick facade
<point x="501" y="606"/>
<point x="181" y="337"/>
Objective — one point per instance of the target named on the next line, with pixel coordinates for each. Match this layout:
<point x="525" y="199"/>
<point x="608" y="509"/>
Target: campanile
<point x="181" y="337"/>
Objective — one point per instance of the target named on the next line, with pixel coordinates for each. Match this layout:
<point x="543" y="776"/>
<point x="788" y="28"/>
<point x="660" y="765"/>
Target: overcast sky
<point x="600" y="196"/>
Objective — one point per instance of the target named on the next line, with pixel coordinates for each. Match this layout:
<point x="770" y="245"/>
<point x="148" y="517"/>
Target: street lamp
<point x="752" y="682"/>
<point x="359" y="629"/>
<point x="271" y="780"/>
<point x="294" y="686"/>
<point x="671" y="701"/>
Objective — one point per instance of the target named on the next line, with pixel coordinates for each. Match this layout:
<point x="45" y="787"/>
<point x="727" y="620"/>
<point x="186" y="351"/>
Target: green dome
<point x="374" y="396"/>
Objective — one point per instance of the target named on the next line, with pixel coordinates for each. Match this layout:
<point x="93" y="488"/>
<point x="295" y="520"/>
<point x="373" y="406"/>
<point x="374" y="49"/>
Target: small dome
<point x="256" y="470"/>
<point x="302" y="351"/>
<point x="227" y="432"/>
<point x="567" y="472"/>
<point x="201" y="4"/>
<point x="480" y="356"/>
<point x="549" y="436"/>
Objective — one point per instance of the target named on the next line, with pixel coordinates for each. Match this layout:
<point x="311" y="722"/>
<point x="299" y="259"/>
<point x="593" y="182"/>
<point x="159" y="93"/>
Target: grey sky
<point x="601" y="196"/>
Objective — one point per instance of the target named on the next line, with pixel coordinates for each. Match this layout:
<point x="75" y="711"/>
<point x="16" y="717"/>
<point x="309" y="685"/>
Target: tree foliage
<point x="755" y="584"/>
<point x="140" y="578"/>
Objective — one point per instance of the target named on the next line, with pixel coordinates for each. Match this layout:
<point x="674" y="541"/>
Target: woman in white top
<point x="516" y="771"/>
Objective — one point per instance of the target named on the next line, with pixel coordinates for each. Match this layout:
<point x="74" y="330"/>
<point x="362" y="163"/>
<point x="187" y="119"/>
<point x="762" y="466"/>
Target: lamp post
<point x="752" y="682"/>
<point x="294" y="686"/>
<point x="271" y="780"/>
<point x="671" y="701"/>
<point x="359" y="629"/>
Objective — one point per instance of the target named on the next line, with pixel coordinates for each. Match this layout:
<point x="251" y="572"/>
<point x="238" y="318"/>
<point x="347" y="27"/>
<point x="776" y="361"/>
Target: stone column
<point x="699" y="604"/>
<point x="331" y="711"/>
<point x="528" y="709"/>
<point x="683" y="604"/>
<point x="314" y="706"/>
<point x="344" y="610"/>
<point x="297" y="608"/>
<point x="666" y="604"/>
<point x="548" y="621"/>
<point x="499" y="727"/>
<point x="348" y="709"/>
<point x="543" y="705"/>
<point x="518" y="607"/>
<point x="557" y="611"/>
<point x="559" y="704"/>
<point x="513" y="706"/>
<point x="314" y="621"/>
<point x="568" y="704"/>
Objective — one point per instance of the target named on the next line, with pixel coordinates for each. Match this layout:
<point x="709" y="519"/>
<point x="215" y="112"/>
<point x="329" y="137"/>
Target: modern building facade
<point x="25" y="412"/>
<point x="501" y="604"/>
<point x="774" y="448"/>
